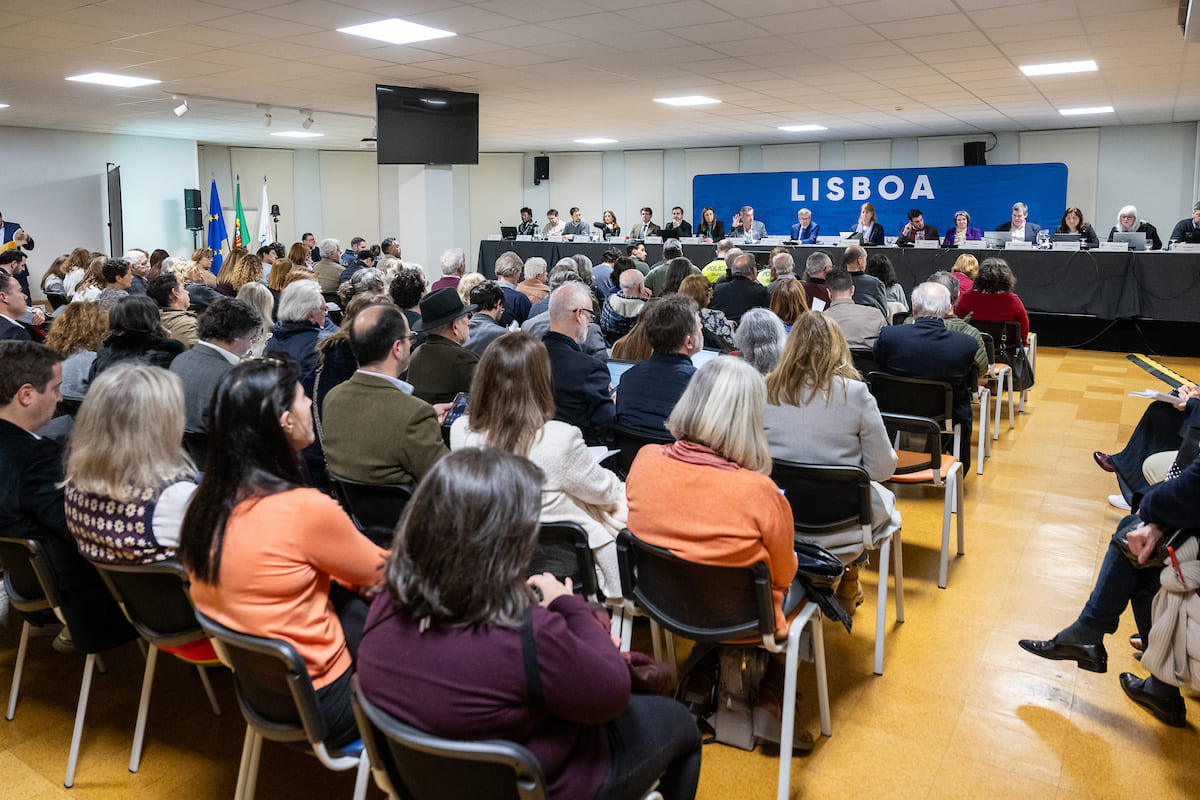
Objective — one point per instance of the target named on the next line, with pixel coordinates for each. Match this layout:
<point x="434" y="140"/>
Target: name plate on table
<point x="691" y="240"/>
<point x="1075" y="245"/>
<point x="653" y="240"/>
<point x="927" y="244"/>
<point x="1011" y="245"/>
<point x="1185" y="247"/>
<point x="524" y="237"/>
<point x="847" y="242"/>
<point x="494" y="237"/>
<point x="554" y="239"/>
<point x="772" y="240"/>
<point x="1114" y="247"/>
<point x="973" y="244"/>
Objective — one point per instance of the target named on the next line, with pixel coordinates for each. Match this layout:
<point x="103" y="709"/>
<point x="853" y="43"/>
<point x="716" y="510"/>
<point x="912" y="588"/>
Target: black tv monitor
<point x="426" y="126"/>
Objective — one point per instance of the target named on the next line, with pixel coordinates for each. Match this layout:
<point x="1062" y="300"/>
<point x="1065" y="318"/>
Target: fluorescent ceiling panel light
<point x="3" y="105"/>
<point x="688" y="100"/>
<point x="1061" y="68"/>
<point x="1074" y="112"/>
<point x="297" y="134"/>
<point x="802" y="128"/>
<point x="596" y="141"/>
<point x="396" y="31"/>
<point x="108" y="79"/>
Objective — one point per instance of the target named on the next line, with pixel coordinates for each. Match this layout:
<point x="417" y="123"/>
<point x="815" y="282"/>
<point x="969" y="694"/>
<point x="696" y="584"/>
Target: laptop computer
<point x="616" y="369"/>
<point x="508" y="231"/>
<point x="996" y="239"/>
<point x="1136" y="239"/>
<point x="1066" y="237"/>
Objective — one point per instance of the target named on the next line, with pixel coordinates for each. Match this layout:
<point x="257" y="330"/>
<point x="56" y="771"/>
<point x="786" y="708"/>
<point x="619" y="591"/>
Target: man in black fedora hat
<point x="442" y="367"/>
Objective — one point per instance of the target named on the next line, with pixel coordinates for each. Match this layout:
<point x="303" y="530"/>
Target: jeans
<point x="1120" y="584"/>
<point x="655" y="739"/>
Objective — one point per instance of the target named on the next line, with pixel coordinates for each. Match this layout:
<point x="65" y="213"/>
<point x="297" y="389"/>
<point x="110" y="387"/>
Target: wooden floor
<point x="960" y="711"/>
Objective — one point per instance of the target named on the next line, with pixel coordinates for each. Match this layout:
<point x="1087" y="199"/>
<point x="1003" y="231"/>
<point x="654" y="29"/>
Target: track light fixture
<point x="182" y="108"/>
<point x="308" y="122"/>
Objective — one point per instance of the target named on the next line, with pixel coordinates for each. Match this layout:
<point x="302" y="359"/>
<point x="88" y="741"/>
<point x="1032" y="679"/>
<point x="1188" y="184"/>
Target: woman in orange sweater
<point x="264" y="552"/>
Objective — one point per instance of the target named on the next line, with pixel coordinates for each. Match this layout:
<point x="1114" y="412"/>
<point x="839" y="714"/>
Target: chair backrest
<point x="989" y="346"/>
<point x="864" y="360"/>
<point x="628" y="443"/>
<point x="700" y="602"/>
<point x="372" y="505"/>
<point x="420" y="766"/>
<point x="918" y="397"/>
<point x="824" y="498"/>
<point x="155" y="600"/>
<point x="1006" y="334"/>
<point x="28" y="578"/>
<point x="564" y="552"/>
<point x="195" y="444"/>
<point x="273" y="687"/>
<point x="920" y="429"/>
<point x="56" y="299"/>
<point x="900" y="317"/>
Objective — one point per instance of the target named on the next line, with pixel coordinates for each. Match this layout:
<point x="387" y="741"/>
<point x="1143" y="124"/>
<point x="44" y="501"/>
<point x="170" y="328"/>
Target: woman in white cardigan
<point x="512" y="409"/>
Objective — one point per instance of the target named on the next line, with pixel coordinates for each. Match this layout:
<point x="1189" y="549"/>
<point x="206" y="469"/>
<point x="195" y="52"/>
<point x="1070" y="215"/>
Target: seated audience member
<point x="583" y="266"/>
<point x="468" y="282"/>
<point x="357" y="245"/>
<point x="512" y="409"/>
<point x="1128" y="222"/>
<point x="656" y="278"/>
<point x="788" y="303"/>
<point x="190" y="275"/>
<point x="816" y="267"/>
<point x="52" y="281"/>
<point x="1073" y="222"/>
<point x="117" y="280"/>
<point x="805" y="231"/>
<point x="759" y="339"/>
<point x="564" y="269"/>
<point x="373" y="429"/>
<point x="229" y="265"/>
<point x="1019" y="226"/>
<point x="226" y="332"/>
<point x="746" y="227"/>
<point x="12" y="307"/>
<point x="651" y="388"/>
<point x="336" y="361"/>
<point x="329" y="269"/>
<point x="74" y="269"/>
<point x="538" y="323"/>
<point x="768" y="274"/>
<point x="249" y="269"/>
<point x="635" y="345"/>
<point x="157" y="258"/>
<point x="485" y="327"/>
<point x="609" y="226"/>
<point x="302" y="316"/>
<point x="743" y="292"/>
<point x="263" y="552"/>
<point x="31" y="496"/>
<point x="364" y="280"/>
<point x="820" y="412"/>
<point x="302" y="257"/>
<point x="677" y="270"/>
<point x="965" y="268"/>
<point x="880" y="266"/>
<point x="718" y="332"/>
<point x="454" y="266"/>
<point x="710" y="229"/>
<point x="707" y="498"/>
<point x="927" y="349"/>
<point x="128" y="481"/>
<point x="602" y="275"/>
<point x="442" y="367"/>
<point x="173" y="303"/>
<point x="91" y="283"/>
<point x="259" y="298"/>
<point x="915" y="229"/>
<point x="407" y="289"/>
<point x="679" y="227"/>
<point x="554" y="226"/>
<point x="962" y="231"/>
<point x="1165" y="507"/>
<point x="15" y="262"/>
<point x="280" y="268"/>
<point x="203" y="256"/>
<point x="1153" y="446"/>
<point x="576" y="227"/>
<point x="718" y="268"/>
<point x="139" y="265"/>
<point x="867" y="229"/>
<point x="76" y="335"/>
<point x="991" y="298"/>
<point x="621" y="310"/>
<point x="859" y="325"/>
<point x="509" y="269"/>
<point x="783" y="269"/>
<point x="590" y="736"/>
<point x="637" y="251"/>
<point x="956" y="323"/>
<point x="362" y="260"/>
<point x="534" y="286"/>
<point x="582" y="392"/>
<point x="135" y="332"/>
<point x="868" y="290"/>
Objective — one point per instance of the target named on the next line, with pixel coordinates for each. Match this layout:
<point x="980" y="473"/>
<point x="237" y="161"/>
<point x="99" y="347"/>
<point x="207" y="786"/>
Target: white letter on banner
<point x="836" y="192"/>
<point x="892" y="180"/>
<point x="796" y="190"/>
<point x="922" y="188"/>
<point x="862" y="187"/>
<point x="816" y="189"/>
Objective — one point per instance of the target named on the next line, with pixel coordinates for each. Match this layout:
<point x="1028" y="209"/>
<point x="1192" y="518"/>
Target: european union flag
<point x="216" y="229"/>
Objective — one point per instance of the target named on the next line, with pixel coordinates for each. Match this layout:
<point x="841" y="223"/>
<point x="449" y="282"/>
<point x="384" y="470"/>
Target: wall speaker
<point x="541" y="169"/>
<point x="974" y="154"/>
<point x="192" y="215"/>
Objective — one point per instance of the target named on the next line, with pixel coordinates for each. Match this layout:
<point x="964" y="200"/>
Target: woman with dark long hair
<point x="710" y="229"/>
<point x="135" y="332"/>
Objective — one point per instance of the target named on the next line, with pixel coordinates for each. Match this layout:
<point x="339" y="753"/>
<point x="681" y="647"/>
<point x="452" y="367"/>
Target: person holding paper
<point x="1152" y="447"/>
<point x="962" y="231"/>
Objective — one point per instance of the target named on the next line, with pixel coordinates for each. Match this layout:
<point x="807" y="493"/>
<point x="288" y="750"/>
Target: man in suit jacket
<point x="868" y="290"/>
<point x="373" y="429"/>
<point x="746" y="227"/>
<point x="226" y="332"/>
<point x="742" y="291"/>
<point x="679" y="226"/>
<point x="645" y="227"/>
<point x="1021" y="230"/>
<point x="805" y="231"/>
<point x="12" y="308"/>
<point x="581" y="385"/>
<point x="926" y="349"/>
<point x="442" y="367"/>
<point x="329" y="269"/>
<point x="10" y="230"/>
<point x="509" y="269"/>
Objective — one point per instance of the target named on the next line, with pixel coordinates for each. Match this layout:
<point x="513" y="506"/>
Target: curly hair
<point x="995" y="277"/>
<point x="78" y="326"/>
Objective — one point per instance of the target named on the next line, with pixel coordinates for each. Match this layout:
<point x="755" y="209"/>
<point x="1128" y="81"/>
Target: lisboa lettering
<point x="890" y="187"/>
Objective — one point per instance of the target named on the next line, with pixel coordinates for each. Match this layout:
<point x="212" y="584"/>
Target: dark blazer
<point x="928" y="232"/>
<point x="738" y="295"/>
<point x="152" y="349"/>
<point x="200" y="369"/>
<point x="671" y="232"/>
<point x="869" y="291"/>
<point x="582" y="389"/>
<point x="815" y="287"/>
<point x="649" y="391"/>
<point x="299" y="340"/>
<point x="10" y="229"/>
<point x="201" y="296"/>
<point x="874" y="236"/>
<point x="1152" y="240"/>
<point x="973" y="234"/>
<point x="1183" y="229"/>
<point x="806" y="235"/>
<point x="516" y="304"/>
<point x="1086" y="232"/>
<point x="1172" y="504"/>
<point x="716" y="231"/>
<point x="1031" y="231"/>
<point x="635" y="231"/>
<point x="440" y="369"/>
<point x="14" y="331"/>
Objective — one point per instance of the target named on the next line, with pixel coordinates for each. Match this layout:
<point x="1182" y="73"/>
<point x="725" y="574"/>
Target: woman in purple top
<point x="962" y="231"/>
<point x="442" y="649"/>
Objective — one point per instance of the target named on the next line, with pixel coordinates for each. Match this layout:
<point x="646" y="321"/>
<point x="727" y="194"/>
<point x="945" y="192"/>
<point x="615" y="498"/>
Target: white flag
<point x="264" y="218"/>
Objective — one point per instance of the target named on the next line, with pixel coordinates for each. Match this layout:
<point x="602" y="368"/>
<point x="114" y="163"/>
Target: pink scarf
<point x="698" y="454"/>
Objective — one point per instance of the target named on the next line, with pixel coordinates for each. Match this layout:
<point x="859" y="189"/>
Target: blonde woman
<point x="190" y="275"/>
<point x="259" y="297"/>
<point x="965" y="268"/>
<point x="76" y="335"/>
<point x="789" y="302"/>
<point x="92" y="283"/>
<point x="74" y="269"/>
<point x="247" y="269"/>
<point x="469" y="282"/>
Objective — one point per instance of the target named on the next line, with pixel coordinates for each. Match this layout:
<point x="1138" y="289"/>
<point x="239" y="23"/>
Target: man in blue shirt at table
<point x="805" y="231"/>
<point x="651" y="388"/>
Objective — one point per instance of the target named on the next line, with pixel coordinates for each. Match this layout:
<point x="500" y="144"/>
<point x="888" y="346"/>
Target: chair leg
<point x="818" y="644"/>
<point x="983" y="421"/>
<point x="18" y="668"/>
<point x="788" y="722"/>
<point x="360" y="780"/>
<point x="656" y="640"/>
<point x="1010" y="400"/>
<point x="948" y="504"/>
<point x="898" y="568"/>
<point x="139" y="729"/>
<point x="252" y="778"/>
<point x="244" y="766"/>
<point x="958" y="486"/>
<point x="81" y="710"/>
<point x="208" y="690"/>
<point x="669" y="647"/>
<point x="881" y="608"/>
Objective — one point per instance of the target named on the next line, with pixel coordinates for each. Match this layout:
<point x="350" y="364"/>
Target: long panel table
<point x="1106" y="285"/>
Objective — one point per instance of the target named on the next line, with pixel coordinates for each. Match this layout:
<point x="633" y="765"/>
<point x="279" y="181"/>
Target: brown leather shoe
<point x="1104" y="460"/>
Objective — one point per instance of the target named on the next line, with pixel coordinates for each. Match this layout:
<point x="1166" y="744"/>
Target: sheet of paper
<point x="1151" y="394"/>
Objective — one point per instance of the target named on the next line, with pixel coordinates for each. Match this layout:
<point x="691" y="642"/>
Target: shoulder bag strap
<point x="533" y="678"/>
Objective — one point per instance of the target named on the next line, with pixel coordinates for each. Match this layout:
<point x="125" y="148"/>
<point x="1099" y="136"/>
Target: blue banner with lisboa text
<point x="835" y="196"/>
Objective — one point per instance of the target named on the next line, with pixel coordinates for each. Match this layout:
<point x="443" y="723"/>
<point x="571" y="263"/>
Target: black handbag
<point x="819" y="572"/>
<point x="1013" y="354"/>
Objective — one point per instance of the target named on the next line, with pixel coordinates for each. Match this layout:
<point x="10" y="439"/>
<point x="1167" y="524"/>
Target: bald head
<point x="571" y="310"/>
<point x="632" y="282"/>
<point x="854" y="259"/>
<point x="379" y="339"/>
<point x="931" y="300"/>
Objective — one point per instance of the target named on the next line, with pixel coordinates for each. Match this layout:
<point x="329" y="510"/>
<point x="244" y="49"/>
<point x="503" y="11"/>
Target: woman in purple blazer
<point x="962" y="231"/>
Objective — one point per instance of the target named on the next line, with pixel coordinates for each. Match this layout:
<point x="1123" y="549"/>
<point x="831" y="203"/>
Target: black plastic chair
<point x="277" y="699"/>
<point x="195" y="444"/>
<point x="628" y="443"/>
<point x="371" y="505"/>
<point x="864" y="361"/>
<point x="56" y="299"/>
<point x="706" y="603"/>
<point x="1000" y="379"/>
<point x="1006" y="335"/>
<point x="922" y="397"/>
<point x="828" y="499"/>
<point x="155" y="600"/>
<point x="564" y="552"/>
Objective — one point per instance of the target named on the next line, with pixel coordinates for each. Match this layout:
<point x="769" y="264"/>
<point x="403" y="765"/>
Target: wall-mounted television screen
<point x="426" y="126"/>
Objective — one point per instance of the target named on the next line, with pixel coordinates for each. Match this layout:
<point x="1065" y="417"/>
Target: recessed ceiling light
<point x="297" y="134"/>
<point x="1061" y="68"/>
<point x="596" y="141"/>
<point x="396" y="31"/>
<point x="687" y="100"/>
<point x="1073" y="112"/>
<point x="802" y="128"/>
<point x="108" y="79"/>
